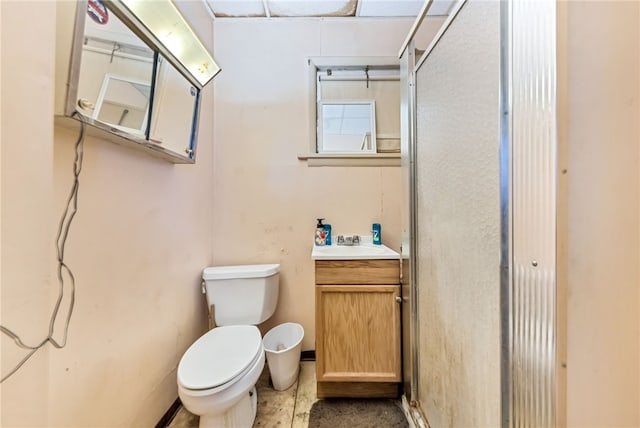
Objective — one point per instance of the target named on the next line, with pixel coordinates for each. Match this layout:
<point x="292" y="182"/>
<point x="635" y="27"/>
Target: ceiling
<point x="324" y="8"/>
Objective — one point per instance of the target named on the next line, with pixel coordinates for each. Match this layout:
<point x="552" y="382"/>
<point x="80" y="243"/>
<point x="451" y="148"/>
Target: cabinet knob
<point x="398" y="299"/>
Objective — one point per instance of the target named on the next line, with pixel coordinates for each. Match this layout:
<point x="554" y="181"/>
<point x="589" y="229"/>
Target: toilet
<point x="218" y="373"/>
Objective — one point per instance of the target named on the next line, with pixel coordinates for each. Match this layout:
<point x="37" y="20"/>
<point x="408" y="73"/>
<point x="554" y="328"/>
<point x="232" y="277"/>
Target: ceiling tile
<point x="312" y="7"/>
<point x="236" y="8"/>
<point x="441" y="7"/>
<point x="300" y="8"/>
<point x="389" y="7"/>
<point x="384" y="8"/>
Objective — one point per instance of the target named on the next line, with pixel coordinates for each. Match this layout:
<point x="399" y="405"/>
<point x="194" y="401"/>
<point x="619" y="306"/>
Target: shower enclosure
<point x="479" y="250"/>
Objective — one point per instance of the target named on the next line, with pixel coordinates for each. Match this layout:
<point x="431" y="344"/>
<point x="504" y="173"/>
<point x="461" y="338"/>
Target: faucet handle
<point x="356" y="240"/>
<point x="340" y="239"/>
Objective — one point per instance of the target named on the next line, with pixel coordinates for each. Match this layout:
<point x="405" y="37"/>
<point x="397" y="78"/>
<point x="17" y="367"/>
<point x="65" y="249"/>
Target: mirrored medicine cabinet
<point x="133" y="75"/>
<point x="354" y="112"/>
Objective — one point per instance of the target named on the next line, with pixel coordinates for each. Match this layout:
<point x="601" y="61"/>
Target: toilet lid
<point x="219" y="356"/>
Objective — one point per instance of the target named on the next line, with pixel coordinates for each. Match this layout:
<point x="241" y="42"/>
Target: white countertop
<point x="363" y="251"/>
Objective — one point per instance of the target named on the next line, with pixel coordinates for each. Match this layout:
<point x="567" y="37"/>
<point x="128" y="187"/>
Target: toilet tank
<point x="243" y="294"/>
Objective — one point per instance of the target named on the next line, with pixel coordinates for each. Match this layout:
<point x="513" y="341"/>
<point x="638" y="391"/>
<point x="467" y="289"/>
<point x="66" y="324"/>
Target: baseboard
<point x="166" y="419"/>
<point x="308" y="355"/>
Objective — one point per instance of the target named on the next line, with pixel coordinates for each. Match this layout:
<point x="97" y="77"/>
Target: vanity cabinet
<point x="357" y="328"/>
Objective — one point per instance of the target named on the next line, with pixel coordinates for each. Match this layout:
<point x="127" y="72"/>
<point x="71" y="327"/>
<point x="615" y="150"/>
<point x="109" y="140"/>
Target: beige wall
<point x="137" y="248"/>
<point x="602" y="147"/>
<point x="27" y="198"/>
<point x="266" y="200"/>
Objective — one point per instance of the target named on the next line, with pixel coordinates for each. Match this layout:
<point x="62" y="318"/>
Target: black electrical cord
<point x="63" y="232"/>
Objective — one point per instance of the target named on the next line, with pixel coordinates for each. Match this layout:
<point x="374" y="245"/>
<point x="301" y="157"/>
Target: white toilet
<point x="218" y="373"/>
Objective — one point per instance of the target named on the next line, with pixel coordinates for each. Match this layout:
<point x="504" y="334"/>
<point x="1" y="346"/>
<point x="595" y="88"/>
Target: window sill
<point x="338" y="159"/>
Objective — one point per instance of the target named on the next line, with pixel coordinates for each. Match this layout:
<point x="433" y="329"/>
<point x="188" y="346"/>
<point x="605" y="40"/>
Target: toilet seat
<point x="220" y="357"/>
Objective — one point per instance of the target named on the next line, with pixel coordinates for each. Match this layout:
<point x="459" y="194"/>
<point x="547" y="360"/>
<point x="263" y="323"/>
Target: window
<point x="355" y="111"/>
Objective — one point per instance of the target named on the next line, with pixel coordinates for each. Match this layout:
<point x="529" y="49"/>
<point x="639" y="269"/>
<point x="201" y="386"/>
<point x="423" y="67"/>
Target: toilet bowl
<point x="217" y="374"/>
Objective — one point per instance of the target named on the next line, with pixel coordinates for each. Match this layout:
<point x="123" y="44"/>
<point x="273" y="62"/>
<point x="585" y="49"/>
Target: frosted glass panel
<point x="458" y="215"/>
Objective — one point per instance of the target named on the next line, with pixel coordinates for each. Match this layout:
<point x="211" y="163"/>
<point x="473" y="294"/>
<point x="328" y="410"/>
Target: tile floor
<point x="288" y="408"/>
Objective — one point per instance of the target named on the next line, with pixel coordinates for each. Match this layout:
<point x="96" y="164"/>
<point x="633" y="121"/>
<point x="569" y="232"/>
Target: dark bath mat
<point x="356" y="413"/>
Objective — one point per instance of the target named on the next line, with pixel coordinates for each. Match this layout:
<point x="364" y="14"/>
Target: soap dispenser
<point x="321" y="233"/>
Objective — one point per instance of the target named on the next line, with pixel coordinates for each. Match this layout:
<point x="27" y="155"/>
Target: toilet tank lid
<point x="240" y="271"/>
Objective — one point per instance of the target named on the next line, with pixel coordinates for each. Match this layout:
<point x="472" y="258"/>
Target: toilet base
<point x="241" y="415"/>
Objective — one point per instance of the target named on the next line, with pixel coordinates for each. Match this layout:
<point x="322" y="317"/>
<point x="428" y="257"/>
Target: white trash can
<point x="282" y="345"/>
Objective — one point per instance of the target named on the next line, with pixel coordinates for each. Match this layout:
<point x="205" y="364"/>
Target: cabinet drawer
<point x="357" y="271"/>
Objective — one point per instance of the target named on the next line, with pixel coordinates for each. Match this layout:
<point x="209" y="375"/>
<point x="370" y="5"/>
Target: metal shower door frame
<point x="529" y="188"/>
<point x="528" y="299"/>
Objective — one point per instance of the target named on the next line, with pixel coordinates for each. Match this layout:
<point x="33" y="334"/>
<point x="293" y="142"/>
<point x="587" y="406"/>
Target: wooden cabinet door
<point x="358" y="333"/>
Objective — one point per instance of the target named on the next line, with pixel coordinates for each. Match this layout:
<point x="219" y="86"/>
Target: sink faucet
<point x="348" y="240"/>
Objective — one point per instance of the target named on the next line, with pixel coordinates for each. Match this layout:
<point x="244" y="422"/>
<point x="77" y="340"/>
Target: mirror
<point x="346" y="126"/>
<point x="175" y="105"/>
<point x="115" y="74"/>
<point x="123" y="103"/>
<point x="123" y="83"/>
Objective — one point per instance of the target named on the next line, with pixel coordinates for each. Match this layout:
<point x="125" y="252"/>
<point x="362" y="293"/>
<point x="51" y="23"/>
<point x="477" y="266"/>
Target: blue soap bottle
<point x="377" y="234"/>
<point x="327" y="229"/>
